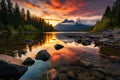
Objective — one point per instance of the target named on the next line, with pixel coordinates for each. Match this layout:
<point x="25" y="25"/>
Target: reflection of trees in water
<point x="12" y="42"/>
<point x="9" y="42"/>
<point x="41" y="39"/>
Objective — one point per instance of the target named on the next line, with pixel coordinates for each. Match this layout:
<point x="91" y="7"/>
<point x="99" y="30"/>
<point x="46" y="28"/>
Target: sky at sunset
<point x="55" y="11"/>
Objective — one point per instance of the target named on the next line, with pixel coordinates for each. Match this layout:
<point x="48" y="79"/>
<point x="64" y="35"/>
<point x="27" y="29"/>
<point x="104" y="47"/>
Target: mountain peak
<point x="78" y="21"/>
<point x="70" y="25"/>
<point x="67" y="21"/>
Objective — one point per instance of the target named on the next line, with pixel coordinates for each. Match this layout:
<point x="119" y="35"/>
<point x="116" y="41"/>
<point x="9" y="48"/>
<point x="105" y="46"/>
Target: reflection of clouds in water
<point x="71" y="49"/>
<point x="71" y="53"/>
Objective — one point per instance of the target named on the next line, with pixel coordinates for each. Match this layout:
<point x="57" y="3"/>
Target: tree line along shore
<point x="14" y="19"/>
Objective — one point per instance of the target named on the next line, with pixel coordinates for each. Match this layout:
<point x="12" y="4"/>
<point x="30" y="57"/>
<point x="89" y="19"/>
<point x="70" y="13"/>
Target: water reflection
<point x="71" y="49"/>
<point x="12" y="44"/>
<point x="9" y="43"/>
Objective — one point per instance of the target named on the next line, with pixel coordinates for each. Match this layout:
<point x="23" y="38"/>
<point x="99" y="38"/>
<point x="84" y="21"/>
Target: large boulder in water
<point x="58" y="46"/>
<point x="28" y="61"/>
<point x="42" y="55"/>
<point x="13" y="71"/>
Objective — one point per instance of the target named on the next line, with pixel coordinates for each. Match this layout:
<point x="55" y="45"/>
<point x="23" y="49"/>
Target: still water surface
<point x="71" y="54"/>
<point x="9" y="43"/>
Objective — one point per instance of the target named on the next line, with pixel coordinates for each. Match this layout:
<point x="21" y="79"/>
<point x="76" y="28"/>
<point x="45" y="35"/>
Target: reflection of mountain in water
<point x="63" y="38"/>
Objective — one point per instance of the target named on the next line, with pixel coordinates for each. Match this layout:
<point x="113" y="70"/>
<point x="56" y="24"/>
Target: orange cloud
<point x="55" y="3"/>
<point x="61" y="9"/>
<point x="53" y="19"/>
<point x="64" y="7"/>
<point x="30" y="5"/>
<point x="46" y="13"/>
<point x="77" y="7"/>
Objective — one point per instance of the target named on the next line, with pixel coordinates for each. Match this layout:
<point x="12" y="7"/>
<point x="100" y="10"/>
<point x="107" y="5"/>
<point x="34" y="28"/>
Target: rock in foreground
<point x="10" y="59"/>
<point x="42" y="55"/>
<point x="11" y="71"/>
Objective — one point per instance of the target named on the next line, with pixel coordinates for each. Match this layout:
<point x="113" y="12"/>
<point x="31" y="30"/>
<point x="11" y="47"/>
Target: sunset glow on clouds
<point x="31" y="6"/>
<point x="56" y="11"/>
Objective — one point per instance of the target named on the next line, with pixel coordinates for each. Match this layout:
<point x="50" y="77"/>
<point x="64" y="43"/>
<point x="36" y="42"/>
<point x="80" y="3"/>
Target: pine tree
<point x="0" y="12"/>
<point x="118" y="12"/>
<point x="11" y="18"/>
<point x="4" y="12"/>
<point x="23" y="13"/>
<point x="107" y="12"/>
<point x="115" y="14"/>
<point x="17" y="16"/>
<point x="28" y="17"/>
<point x="9" y="6"/>
<point x="10" y="12"/>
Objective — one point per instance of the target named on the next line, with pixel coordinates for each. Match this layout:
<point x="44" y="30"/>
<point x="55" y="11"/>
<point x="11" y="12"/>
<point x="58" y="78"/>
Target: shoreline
<point x="89" y="67"/>
<point x="110" y="38"/>
<point x="104" y="67"/>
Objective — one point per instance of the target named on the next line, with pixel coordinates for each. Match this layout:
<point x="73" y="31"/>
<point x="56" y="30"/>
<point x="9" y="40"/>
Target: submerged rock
<point x="22" y="51"/>
<point x="114" y="59"/>
<point x="62" y="76"/>
<point x="71" y="75"/>
<point x="86" y="42"/>
<point x="28" y="61"/>
<point x="86" y="64"/>
<point x="78" y="40"/>
<point x="92" y="36"/>
<point x="8" y="70"/>
<point x="97" y="75"/>
<point x="58" y="46"/>
<point x="52" y="74"/>
<point x="104" y="40"/>
<point x="28" y="41"/>
<point x="42" y="55"/>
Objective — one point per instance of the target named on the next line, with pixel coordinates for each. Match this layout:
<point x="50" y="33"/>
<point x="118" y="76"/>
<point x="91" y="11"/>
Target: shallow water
<point x="70" y="53"/>
<point x="44" y="41"/>
<point x="71" y="48"/>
